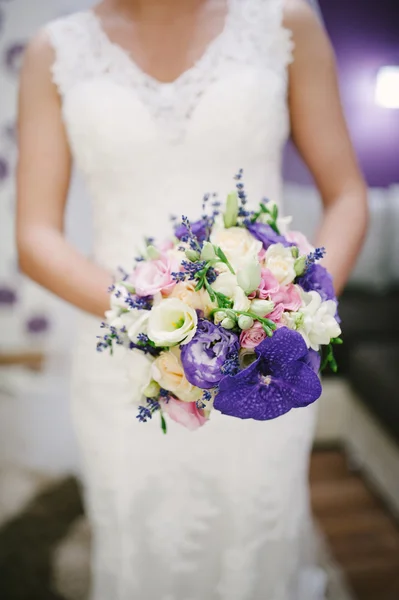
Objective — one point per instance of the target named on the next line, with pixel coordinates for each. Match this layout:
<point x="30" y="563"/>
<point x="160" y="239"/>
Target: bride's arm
<point x="43" y="179"/>
<point x="320" y="133"/>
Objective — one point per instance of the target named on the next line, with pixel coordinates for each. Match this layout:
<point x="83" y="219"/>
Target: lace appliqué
<point x="253" y="35"/>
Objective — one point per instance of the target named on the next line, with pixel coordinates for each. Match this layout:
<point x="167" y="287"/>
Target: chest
<point x="232" y="99"/>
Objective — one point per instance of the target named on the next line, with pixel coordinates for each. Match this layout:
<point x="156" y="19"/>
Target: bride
<point x="157" y="102"/>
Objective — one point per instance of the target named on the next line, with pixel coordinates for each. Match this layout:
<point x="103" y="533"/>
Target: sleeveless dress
<point x="221" y="513"/>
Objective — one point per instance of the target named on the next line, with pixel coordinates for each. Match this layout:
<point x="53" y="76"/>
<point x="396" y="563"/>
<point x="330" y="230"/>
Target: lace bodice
<point x="252" y="35"/>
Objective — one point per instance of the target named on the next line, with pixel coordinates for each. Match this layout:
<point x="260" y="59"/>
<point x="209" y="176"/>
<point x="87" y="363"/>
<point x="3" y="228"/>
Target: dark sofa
<point x="369" y="357"/>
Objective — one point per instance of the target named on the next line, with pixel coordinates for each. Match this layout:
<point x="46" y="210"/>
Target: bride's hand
<point x="43" y="179"/>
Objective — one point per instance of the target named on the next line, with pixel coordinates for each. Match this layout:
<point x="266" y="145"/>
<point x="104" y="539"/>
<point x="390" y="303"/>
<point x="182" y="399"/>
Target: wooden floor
<point x="362" y="535"/>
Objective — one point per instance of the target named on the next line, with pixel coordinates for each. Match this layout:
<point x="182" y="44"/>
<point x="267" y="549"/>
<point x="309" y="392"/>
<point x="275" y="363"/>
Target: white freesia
<point x="315" y="321"/>
<point x="281" y="263"/>
<point x="241" y="301"/>
<point x="262" y="308"/>
<point x="134" y="322"/>
<point x="139" y="373"/>
<point x="172" y="322"/>
<point x="225" y="283"/>
<point x="249" y="276"/>
<point x="119" y="297"/>
<point x="118" y="304"/>
<point x="283" y="224"/>
<point x="238" y="245"/>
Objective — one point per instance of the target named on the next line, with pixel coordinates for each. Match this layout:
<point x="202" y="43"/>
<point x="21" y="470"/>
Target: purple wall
<point x="365" y="35"/>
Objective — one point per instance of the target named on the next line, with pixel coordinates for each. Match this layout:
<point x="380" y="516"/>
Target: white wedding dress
<point x="221" y="513"/>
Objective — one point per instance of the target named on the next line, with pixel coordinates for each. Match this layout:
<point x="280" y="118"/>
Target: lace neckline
<point x="122" y="54"/>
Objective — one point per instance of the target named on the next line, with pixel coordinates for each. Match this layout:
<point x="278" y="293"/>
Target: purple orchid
<point x="280" y="379"/>
<point x="199" y="229"/>
<point x="204" y="357"/>
<point x="266" y="234"/>
<point x="313" y="360"/>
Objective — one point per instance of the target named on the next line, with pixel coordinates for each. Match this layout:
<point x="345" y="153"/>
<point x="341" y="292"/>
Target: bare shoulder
<point x="308" y="33"/>
<point x="39" y="53"/>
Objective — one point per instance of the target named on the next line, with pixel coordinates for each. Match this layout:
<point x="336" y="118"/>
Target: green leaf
<point x="223" y="301"/>
<point x="163" y="424"/>
<point x="231" y="213"/>
<point x="211" y="292"/>
<point x="268" y="330"/>
<point x="199" y="285"/>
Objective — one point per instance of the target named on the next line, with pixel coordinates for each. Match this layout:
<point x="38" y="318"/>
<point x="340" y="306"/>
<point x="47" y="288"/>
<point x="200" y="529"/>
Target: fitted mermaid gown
<point x="221" y="513"/>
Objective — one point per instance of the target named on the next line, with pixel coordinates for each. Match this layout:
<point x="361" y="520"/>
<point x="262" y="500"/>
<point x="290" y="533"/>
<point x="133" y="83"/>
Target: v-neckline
<point x="124" y="54"/>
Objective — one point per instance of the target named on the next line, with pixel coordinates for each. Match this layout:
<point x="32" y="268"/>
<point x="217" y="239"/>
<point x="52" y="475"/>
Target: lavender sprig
<point x="315" y="256"/>
<point x="145" y="413"/>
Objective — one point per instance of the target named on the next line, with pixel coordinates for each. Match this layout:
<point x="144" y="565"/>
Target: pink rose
<point x="164" y="246"/>
<point x="184" y="413"/>
<point x="154" y="276"/>
<point x="253" y="337"/>
<point x="297" y="238"/>
<point x="268" y="285"/>
<point x="288" y="297"/>
<point x="276" y="314"/>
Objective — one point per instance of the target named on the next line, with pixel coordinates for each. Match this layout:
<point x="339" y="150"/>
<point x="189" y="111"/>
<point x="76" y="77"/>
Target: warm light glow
<point x="387" y="88"/>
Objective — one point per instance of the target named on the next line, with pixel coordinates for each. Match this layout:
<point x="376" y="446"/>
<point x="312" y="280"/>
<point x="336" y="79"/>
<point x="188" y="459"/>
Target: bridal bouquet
<point x="234" y="314"/>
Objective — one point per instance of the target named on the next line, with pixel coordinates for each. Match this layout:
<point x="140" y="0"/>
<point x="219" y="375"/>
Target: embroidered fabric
<point x="222" y="513"/>
<point x="252" y="34"/>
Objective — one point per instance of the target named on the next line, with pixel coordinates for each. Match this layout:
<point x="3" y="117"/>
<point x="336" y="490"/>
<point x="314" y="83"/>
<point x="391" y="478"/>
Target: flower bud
<point x="245" y="322"/>
<point x="219" y="316"/>
<point x="294" y="251"/>
<point x="153" y="253"/>
<point x="249" y="276"/>
<point x="192" y="255"/>
<point x="300" y="265"/>
<point x="261" y="308"/>
<point x="228" y="323"/>
<point x="231" y="213"/>
<point x="208" y="252"/>
<point x="230" y="314"/>
<point x="152" y="390"/>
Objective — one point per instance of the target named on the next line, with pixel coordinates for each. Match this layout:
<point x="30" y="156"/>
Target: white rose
<point x="238" y="245"/>
<point x="280" y="262"/>
<point x="316" y="320"/>
<point x="172" y="322"/>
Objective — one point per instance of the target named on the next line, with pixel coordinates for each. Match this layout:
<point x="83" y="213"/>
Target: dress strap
<point x="75" y="50"/>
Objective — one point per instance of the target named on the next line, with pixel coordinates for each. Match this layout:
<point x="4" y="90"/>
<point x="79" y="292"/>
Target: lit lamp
<point x="387" y="87"/>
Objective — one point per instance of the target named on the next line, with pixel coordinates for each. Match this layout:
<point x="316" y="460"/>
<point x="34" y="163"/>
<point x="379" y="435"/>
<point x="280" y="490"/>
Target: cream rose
<point x="238" y="245"/>
<point x="172" y="322"/>
<point x="281" y="263"/>
<point x="185" y="291"/>
<point x="168" y="372"/>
